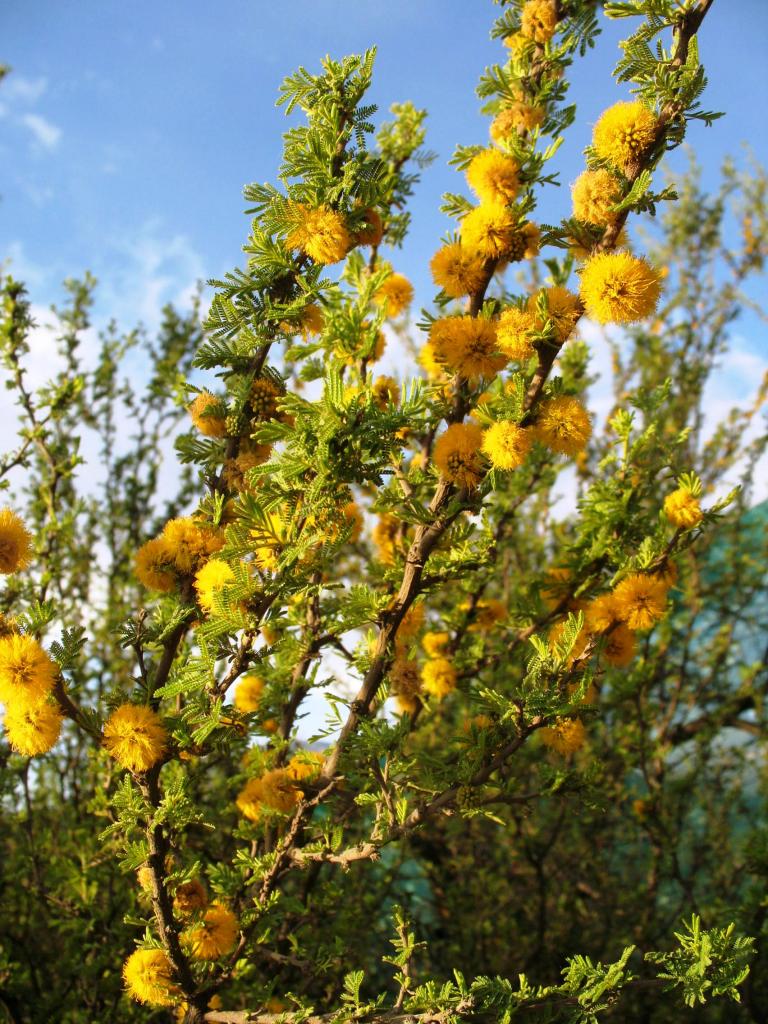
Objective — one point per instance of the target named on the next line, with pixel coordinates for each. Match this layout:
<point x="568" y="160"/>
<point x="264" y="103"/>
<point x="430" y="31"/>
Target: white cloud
<point x="26" y="90"/>
<point x="46" y="133"/>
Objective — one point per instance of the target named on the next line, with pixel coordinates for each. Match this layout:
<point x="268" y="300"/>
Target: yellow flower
<point x="15" y="542"/>
<point x="305" y="766"/>
<point x="210" y="580"/>
<point x="620" y="646"/>
<point x="518" y="117"/>
<point x="516" y="43"/>
<point x="563" y="425"/>
<point x="600" y="614"/>
<point x="580" y="644"/>
<point x="593" y="194"/>
<point x="190" y="543"/>
<point x="27" y="673"/>
<point x="566" y="737"/>
<point x="311" y="321"/>
<point x="275" y="790"/>
<point x="385" y="392"/>
<point x="396" y="292"/>
<point x="438" y="677"/>
<point x="214" y="936"/>
<point x="263" y="398"/>
<point x="209" y="415"/>
<point x="385" y="535"/>
<point x="513" y="330"/>
<point x="564" y="310"/>
<point x="624" y="133"/>
<point x="248" y="694"/>
<point x="682" y="508"/>
<point x="506" y="444"/>
<point x="467" y="346"/>
<point x="352" y="520"/>
<point x="457" y="270"/>
<point x="494" y="176"/>
<point x="147" y="976"/>
<point x="135" y="736"/>
<point x="33" y="730"/>
<point x="538" y="20"/>
<point x="373" y="230"/>
<point x="619" y="288"/>
<point x="190" y="897"/>
<point x="321" y="234"/>
<point x="641" y="600"/>
<point x="457" y="454"/>
<point x="492" y="231"/>
<point x="428" y="361"/>
<point x="235" y="471"/>
<point x="154" y="565"/>
<point x="405" y="680"/>
<point x="435" y="643"/>
<point x="485" y="614"/>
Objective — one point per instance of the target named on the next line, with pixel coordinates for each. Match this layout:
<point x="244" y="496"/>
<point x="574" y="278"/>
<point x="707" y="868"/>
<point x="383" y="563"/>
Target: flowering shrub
<point x="525" y="775"/>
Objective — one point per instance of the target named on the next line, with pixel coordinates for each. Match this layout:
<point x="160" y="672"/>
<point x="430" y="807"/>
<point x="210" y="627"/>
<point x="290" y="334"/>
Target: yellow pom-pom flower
<point x="624" y="133"/>
<point x="311" y="321"/>
<point x="214" y="936"/>
<point x="640" y="600"/>
<point x="190" y="543"/>
<point x="538" y="20"/>
<point x="209" y="415"/>
<point x="154" y="566"/>
<point x="493" y="176"/>
<point x="385" y="536"/>
<point x="467" y="346"/>
<point x="210" y="580"/>
<point x="147" y="976"/>
<point x="493" y="232"/>
<point x="600" y="614"/>
<point x="566" y="736"/>
<point x="396" y="292"/>
<point x="33" y="731"/>
<point x="593" y="194"/>
<point x="263" y="398"/>
<point x="619" y="288"/>
<point x="457" y="270"/>
<point x="563" y="425"/>
<point x="682" y="508"/>
<point x="564" y="309"/>
<point x="506" y="444"/>
<point x="248" y="694"/>
<point x="435" y="643"/>
<point x="386" y="392"/>
<point x="513" y="330"/>
<point x="438" y="677"/>
<point x="27" y="673"/>
<point x="457" y="454"/>
<point x="15" y="542"/>
<point x="135" y="736"/>
<point x="190" y="897"/>
<point x="321" y="234"/>
<point x="620" y="646"/>
<point x="405" y="685"/>
<point x="518" y="117"/>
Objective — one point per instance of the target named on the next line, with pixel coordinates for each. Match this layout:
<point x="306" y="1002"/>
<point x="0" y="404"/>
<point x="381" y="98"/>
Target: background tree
<point x="544" y="743"/>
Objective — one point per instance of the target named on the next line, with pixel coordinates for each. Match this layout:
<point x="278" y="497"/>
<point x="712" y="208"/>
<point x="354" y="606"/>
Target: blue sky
<point x="128" y="130"/>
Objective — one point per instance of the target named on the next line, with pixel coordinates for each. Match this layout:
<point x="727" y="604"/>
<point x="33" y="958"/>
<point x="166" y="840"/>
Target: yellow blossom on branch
<point x="208" y="414"/>
<point x="513" y="330"/>
<point x="147" y="976"/>
<point x="457" y="270"/>
<point x="214" y="936"/>
<point x="27" y="673"/>
<point x="683" y="509"/>
<point x="493" y="176"/>
<point x="15" y="542"/>
<point x="438" y="677"/>
<point x="32" y="730"/>
<point x="135" y="736"/>
<point x="457" y="454"/>
<point x="396" y="293"/>
<point x="641" y="600"/>
<point x="539" y="20"/>
<point x="619" y="288"/>
<point x="321" y="233"/>
<point x="506" y="444"/>
<point x="624" y="134"/>
<point x="563" y="425"/>
<point x="593" y="194"/>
